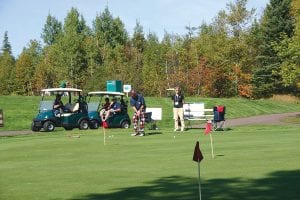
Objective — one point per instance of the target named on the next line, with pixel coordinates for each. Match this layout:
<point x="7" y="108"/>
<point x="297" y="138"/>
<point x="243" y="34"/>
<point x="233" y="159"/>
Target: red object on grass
<point x="105" y="124"/>
<point x="208" y="128"/>
<point x="197" y="153"/>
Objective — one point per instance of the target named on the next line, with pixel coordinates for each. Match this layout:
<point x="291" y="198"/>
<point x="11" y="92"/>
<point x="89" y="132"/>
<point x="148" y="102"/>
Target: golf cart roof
<point x="61" y="90"/>
<point x="103" y="93"/>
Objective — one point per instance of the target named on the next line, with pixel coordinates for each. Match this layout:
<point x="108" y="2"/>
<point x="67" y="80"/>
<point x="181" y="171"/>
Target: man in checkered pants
<point x="137" y="102"/>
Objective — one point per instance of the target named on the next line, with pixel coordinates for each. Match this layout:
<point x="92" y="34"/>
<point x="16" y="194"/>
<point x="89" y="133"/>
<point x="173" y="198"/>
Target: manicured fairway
<point x="254" y="162"/>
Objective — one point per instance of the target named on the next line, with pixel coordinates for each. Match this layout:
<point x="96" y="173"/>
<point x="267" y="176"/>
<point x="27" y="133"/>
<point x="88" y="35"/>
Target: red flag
<point x="104" y="124"/>
<point x="197" y="153"/>
<point x="208" y="128"/>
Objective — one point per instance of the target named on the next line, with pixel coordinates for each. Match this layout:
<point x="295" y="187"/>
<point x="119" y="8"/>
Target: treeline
<point x="235" y="55"/>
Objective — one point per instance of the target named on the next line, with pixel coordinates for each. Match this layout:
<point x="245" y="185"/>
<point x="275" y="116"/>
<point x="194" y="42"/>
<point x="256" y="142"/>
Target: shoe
<point x="141" y="134"/>
<point x="176" y="130"/>
<point x="182" y="129"/>
<point x="135" y="134"/>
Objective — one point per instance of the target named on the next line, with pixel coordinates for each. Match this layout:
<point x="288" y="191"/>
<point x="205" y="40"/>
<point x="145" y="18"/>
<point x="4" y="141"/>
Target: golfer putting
<point x="137" y="102"/>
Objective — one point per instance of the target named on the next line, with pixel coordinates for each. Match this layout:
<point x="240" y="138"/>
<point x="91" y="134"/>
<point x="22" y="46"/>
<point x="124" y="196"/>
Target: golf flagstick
<point x="104" y="142"/>
<point x="104" y="126"/>
<point x="208" y="129"/>
<point x="197" y="158"/>
<point x="211" y="145"/>
<point x="199" y="180"/>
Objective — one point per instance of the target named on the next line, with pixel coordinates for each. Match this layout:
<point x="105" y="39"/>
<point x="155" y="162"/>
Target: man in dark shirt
<point x="58" y="105"/>
<point x="178" y="101"/>
<point x="137" y="102"/>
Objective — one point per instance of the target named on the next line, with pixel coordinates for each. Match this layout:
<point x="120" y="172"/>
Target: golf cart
<point x="95" y="104"/>
<point x="72" y="115"/>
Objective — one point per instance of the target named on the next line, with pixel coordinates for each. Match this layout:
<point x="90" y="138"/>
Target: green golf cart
<point x="95" y="105"/>
<point x="73" y="114"/>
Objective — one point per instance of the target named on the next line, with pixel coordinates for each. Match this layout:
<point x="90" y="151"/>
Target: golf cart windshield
<point x="45" y="106"/>
<point x="93" y="106"/>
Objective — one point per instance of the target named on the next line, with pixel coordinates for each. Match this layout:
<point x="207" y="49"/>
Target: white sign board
<point x="126" y="88"/>
<point x="156" y="113"/>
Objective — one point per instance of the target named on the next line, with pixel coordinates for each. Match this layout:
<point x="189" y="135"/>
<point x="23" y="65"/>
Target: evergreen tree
<point x="276" y="21"/>
<point x="7" y="67"/>
<point x="52" y="29"/>
<point x="6" y="47"/>
<point x="109" y="31"/>
<point x="289" y="52"/>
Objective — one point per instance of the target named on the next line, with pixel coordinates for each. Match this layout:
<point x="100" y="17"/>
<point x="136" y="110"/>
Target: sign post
<point x="126" y="89"/>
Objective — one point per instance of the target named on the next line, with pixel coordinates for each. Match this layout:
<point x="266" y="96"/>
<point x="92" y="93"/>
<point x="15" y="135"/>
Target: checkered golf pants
<point x="138" y="121"/>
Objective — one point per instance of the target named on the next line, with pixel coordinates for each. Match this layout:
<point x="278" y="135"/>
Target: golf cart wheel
<point x="84" y="124"/>
<point x="125" y="124"/>
<point x="95" y="124"/>
<point x="34" y="128"/>
<point x="48" y="126"/>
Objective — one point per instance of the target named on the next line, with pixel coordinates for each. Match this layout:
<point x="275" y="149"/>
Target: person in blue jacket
<point x="115" y="107"/>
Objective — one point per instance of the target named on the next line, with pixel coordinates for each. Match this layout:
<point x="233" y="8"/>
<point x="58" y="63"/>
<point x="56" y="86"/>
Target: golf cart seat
<point x="71" y="108"/>
<point x="75" y="107"/>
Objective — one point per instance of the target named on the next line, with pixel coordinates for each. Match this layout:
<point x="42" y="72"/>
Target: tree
<point x="25" y="68"/>
<point x="153" y="73"/>
<point x="6" y="47"/>
<point x="7" y="67"/>
<point x="223" y="46"/>
<point x="239" y="17"/>
<point x="52" y="29"/>
<point x="288" y="50"/>
<point x="138" y="47"/>
<point x="109" y="31"/>
<point x="276" y="21"/>
<point x="73" y="61"/>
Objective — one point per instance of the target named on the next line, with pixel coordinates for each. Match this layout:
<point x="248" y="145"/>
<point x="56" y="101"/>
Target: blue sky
<point x="25" y="19"/>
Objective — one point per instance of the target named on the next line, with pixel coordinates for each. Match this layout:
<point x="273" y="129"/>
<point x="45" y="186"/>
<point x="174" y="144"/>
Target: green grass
<point x="20" y="110"/>
<point x="253" y="162"/>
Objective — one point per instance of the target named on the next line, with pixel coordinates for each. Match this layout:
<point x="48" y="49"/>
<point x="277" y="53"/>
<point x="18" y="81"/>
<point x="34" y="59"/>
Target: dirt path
<point x="261" y="119"/>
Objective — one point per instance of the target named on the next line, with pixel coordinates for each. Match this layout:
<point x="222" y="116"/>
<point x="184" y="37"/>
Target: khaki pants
<point x="178" y="112"/>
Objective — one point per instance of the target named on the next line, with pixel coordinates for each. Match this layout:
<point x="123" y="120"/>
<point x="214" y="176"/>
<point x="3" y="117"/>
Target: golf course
<point x="255" y="161"/>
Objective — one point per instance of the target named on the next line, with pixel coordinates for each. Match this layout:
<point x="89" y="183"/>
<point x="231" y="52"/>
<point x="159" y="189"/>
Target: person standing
<point x="137" y="102"/>
<point x="178" y="101"/>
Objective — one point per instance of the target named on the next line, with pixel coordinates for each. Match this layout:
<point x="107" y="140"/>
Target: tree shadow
<point x="276" y="186"/>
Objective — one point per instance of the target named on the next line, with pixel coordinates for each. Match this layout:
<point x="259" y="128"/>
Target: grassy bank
<point x="20" y="110"/>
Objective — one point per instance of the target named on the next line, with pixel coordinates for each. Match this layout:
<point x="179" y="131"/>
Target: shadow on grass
<point x="277" y="186"/>
<point x="153" y="132"/>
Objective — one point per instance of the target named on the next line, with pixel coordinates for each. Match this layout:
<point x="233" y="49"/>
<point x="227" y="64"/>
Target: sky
<point x="24" y="19"/>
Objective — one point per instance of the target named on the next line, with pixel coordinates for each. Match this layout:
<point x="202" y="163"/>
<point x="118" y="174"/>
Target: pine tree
<point x="52" y="29"/>
<point x="7" y="67"/>
<point x="276" y="22"/>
